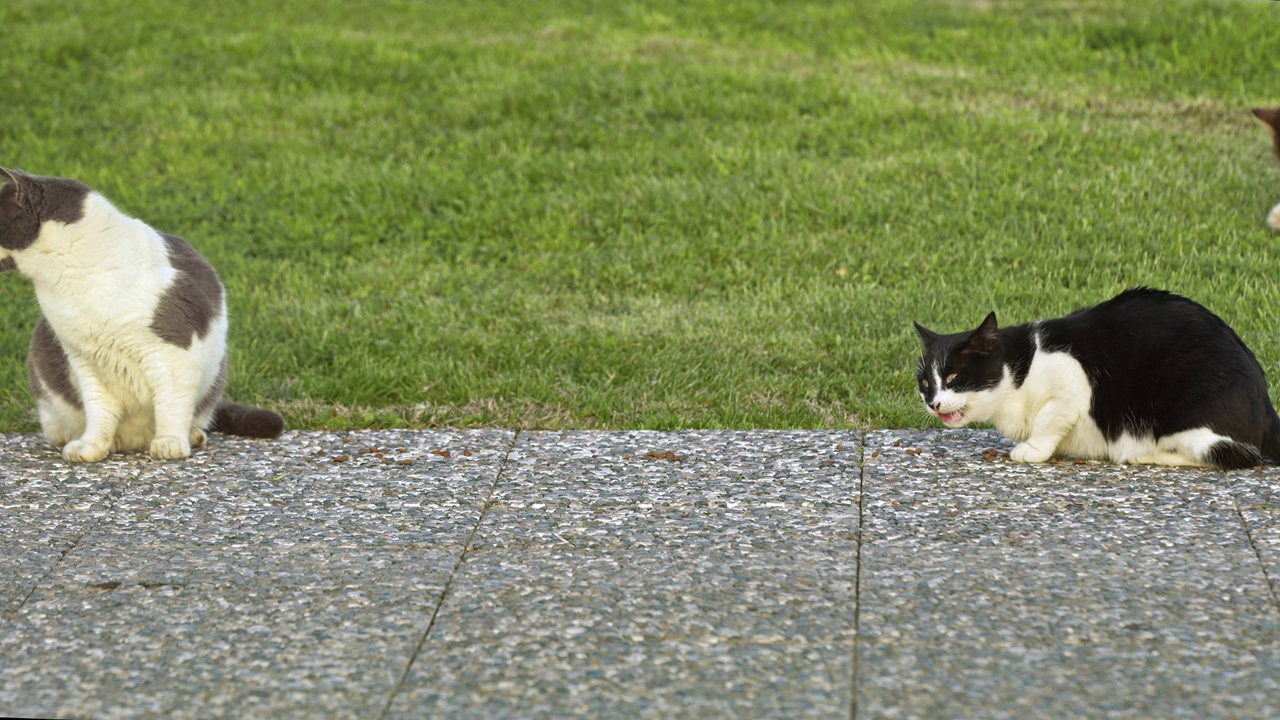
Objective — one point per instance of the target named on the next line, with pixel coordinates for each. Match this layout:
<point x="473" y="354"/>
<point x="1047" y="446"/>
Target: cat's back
<point x="1152" y="351"/>
<point x="1140" y="320"/>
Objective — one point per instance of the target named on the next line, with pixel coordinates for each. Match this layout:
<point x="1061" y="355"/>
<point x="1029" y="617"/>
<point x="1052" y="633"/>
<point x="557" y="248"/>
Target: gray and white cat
<point x="131" y="352"/>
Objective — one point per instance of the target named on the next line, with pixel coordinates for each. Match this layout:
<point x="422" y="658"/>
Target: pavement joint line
<point x="453" y="573"/>
<point x="36" y="585"/>
<point x="1248" y="533"/>
<point x="63" y="555"/>
<point x="857" y="577"/>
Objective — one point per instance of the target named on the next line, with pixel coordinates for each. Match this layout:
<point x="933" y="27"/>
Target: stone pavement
<point x="494" y="574"/>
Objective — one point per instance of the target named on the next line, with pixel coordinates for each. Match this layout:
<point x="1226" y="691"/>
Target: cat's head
<point x="27" y="202"/>
<point x="959" y="374"/>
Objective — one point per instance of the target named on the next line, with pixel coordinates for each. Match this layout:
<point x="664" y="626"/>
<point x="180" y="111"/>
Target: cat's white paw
<point x="198" y="438"/>
<point x="1273" y="218"/>
<point x="84" y="451"/>
<point x="170" y="448"/>
<point x="1028" y="453"/>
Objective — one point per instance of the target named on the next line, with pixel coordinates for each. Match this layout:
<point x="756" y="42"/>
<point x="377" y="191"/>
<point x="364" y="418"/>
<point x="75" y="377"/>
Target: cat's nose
<point x="935" y="405"/>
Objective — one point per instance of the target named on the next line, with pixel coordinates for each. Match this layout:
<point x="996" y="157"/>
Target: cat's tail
<point x="236" y="419"/>
<point x="1231" y="454"/>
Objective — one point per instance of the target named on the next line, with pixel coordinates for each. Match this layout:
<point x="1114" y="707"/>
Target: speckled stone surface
<point x="993" y="589"/>
<point x="290" y="579"/>
<point x="654" y="575"/>
<point x="762" y="574"/>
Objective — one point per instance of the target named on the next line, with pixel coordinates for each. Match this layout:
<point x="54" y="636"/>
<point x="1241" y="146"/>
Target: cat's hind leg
<point x="204" y="413"/>
<point x="56" y="384"/>
<point x="60" y="421"/>
<point x="209" y="401"/>
<point x="1202" y="447"/>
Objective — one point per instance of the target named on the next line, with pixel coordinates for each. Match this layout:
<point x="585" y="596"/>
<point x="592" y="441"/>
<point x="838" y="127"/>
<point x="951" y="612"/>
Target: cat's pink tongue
<point x="949" y="417"/>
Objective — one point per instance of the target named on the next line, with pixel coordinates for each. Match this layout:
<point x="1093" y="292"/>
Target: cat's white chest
<point x="101" y="308"/>
<point x="1056" y="391"/>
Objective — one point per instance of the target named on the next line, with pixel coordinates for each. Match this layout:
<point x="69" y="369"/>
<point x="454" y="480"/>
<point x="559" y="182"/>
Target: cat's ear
<point x="12" y="187"/>
<point x="927" y="336"/>
<point x="10" y="197"/>
<point x="11" y="177"/>
<point x="1270" y="116"/>
<point x="986" y="339"/>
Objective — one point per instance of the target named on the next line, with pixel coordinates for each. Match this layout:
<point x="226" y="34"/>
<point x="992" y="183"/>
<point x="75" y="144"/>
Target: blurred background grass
<point x="582" y="214"/>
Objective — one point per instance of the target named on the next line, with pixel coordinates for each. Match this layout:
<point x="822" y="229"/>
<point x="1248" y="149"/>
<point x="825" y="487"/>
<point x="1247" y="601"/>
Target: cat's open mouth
<point x="951" y="418"/>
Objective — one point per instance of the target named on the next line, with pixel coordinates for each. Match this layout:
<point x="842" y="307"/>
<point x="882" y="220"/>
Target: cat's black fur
<point x="1158" y="364"/>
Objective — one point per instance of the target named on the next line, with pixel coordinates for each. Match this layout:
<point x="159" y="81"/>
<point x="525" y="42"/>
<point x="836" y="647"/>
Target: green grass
<point x="584" y="214"/>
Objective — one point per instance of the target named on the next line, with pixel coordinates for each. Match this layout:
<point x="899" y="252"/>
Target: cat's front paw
<point x="1028" y="453"/>
<point x="198" y="438"/>
<point x="170" y="448"/>
<point x="84" y="451"/>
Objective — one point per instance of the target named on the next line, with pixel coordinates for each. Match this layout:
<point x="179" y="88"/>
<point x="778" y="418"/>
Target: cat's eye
<point x="949" y="379"/>
<point x="924" y="384"/>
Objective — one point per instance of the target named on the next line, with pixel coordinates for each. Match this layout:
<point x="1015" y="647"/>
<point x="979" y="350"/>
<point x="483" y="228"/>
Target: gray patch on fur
<point x="27" y="201"/>
<point x="192" y="302"/>
<point x="63" y="200"/>
<point x="48" y="367"/>
<point x="19" y="226"/>
<point x="214" y="394"/>
<point x="8" y="264"/>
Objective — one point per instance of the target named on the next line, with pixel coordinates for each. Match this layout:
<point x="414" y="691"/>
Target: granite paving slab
<point x="646" y="574"/>
<point x="45" y="512"/>
<point x="994" y="589"/>
<point x="292" y="578"/>
<point x="762" y="574"/>
<point x="1258" y="501"/>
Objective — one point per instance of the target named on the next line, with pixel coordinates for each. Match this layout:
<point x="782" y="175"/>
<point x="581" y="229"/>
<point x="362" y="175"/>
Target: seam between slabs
<point x="1266" y="576"/>
<point x="111" y="505"/>
<point x="448" y="583"/>
<point x="857" y="578"/>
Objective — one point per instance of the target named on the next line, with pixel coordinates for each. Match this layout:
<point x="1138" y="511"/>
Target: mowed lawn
<point x="651" y="215"/>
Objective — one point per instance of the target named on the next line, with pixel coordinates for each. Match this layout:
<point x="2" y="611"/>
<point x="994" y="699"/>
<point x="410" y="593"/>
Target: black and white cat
<point x="1146" y="377"/>
<point x="131" y="352"/>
